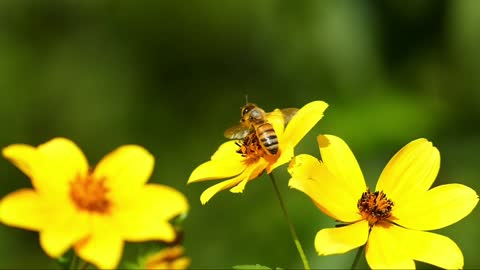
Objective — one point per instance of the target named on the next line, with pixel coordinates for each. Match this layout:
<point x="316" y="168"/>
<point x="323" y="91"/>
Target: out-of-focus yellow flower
<point x="393" y="220"/>
<point x="93" y="210"/>
<point x="168" y="258"/>
<point x="229" y="162"/>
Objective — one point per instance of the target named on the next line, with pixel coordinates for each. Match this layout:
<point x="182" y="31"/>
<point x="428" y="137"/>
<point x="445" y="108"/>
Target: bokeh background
<point x="172" y="76"/>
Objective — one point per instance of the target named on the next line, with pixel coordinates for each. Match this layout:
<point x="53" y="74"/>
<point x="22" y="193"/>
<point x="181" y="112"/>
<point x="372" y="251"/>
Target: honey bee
<point x="254" y="124"/>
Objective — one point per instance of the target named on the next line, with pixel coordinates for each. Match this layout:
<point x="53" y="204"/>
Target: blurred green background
<point x="171" y="76"/>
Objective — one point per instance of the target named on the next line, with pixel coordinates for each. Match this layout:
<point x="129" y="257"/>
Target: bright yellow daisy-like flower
<point x="392" y="220"/>
<point x="94" y="211"/>
<point x="242" y="162"/>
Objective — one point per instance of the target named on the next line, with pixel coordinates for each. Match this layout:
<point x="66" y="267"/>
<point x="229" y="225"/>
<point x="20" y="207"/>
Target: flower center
<point x="90" y="194"/>
<point x="250" y="147"/>
<point x="374" y="206"/>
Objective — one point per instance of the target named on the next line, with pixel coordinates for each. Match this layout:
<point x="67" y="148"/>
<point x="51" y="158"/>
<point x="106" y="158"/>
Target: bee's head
<point x="251" y="112"/>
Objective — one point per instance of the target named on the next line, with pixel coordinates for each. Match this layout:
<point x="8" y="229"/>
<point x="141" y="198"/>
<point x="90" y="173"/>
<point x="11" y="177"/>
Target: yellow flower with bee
<point x="261" y="142"/>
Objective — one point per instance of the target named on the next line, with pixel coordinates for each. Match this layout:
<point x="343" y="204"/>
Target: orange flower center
<point x="250" y="148"/>
<point x="374" y="206"/>
<point x="90" y="194"/>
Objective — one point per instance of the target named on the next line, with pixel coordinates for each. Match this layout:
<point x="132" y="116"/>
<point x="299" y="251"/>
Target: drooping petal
<point x="51" y="166"/>
<point x="103" y="247"/>
<point x="66" y="226"/>
<point x="244" y="176"/>
<point x="217" y="169"/>
<point x="329" y="192"/>
<point x="145" y="216"/>
<point x="436" y="208"/>
<point x="23" y="208"/>
<point x="430" y="247"/>
<point x="340" y="161"/>
<point x="303" y="121"/>
<point x="125" y="169"/>
<point x="253" y="172"/>
<point x="342" y="239"/>
<point x="411" y="171"/>
<point x="385" y="249"/>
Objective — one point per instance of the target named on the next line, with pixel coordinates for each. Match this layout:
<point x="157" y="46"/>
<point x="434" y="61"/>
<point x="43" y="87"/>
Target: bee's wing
<point x="236" y="132"/>
<point x="288" y="114"/>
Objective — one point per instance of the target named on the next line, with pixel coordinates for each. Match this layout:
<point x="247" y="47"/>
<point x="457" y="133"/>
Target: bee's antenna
<point x="246" y="98"/>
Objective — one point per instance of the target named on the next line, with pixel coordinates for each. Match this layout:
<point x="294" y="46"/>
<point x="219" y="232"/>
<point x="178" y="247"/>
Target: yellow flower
<point x="168" y="258"/>
<point x="94" y="211"/>
<point x="393" y="220"/>
<point x="229" y="162"/>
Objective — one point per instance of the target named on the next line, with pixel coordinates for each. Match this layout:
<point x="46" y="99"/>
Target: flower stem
<point x="290" y="224"/>
<point x="357" y="257"/>
<point x="73" y="262"/>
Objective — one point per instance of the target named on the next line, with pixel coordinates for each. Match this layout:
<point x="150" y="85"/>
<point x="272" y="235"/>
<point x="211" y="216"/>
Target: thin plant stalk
<point x="290" y="224"/>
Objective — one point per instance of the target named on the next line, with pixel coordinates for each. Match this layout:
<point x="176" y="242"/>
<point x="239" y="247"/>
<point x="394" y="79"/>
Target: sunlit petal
<point x="126" y="169"/>
<point x="226" y="184"/>
<point x="286" y="154"/>
<point x="326" y="190"/>
<point x="103" y="247"/>
<point x="431" y="248"/>
<point x="217" y="169"/>
<point x="252" y="172"/>
<point x="42" y="164"/>
<point x="227" y="151"/>
<point x="342" y="239"/>
<point x="385" y="249"/>
<point x="145" y="216"/>
<point x="436" y="208"/>
<point x="304" y="120"/>
<point x="23" y="208"/>
<point x="65" y="228"/>
<point x="340" y="161"/>
<point x="411" y="171"/>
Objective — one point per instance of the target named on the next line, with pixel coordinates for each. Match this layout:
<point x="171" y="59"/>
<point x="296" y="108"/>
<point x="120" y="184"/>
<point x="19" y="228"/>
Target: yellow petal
<point x="65" y="227"/>
<point x="436" y="208"/>
<point x="276" y="119"/>
<point x="24" y="157"/>
<point x="211" y="191"/>
<point x="103" y="247"/>
<point x="411" y="171"/>
<point x="23" y="208"/>
<point x="303" y="121"/>
<point x="340" y="161"/>
<point x="145" y="216"/>
<point x="125" y="169"/>
<point x="253" y="172"/>
<point x="429" y="247"/>
<point x="228" y="151"/>
<point x="386" y="251"/>
<point x="342" y="239"/>
<point x="328" y="191"/>
<point x="217" y="169"/>
<point x="286" y="155"/>
<point x="51" y="166"/>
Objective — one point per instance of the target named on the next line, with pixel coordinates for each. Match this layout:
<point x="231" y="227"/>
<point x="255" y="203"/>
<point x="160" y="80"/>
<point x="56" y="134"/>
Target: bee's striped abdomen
<point x="267" y="137"/>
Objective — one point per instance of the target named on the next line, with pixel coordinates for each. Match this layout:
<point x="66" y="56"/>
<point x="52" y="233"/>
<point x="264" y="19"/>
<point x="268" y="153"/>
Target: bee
<point x="254" y="127"/>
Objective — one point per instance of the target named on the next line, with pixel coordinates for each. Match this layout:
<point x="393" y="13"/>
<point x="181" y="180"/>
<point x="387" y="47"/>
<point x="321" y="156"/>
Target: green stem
<point x="73" y="262"/>
<point x="290" y="225"/>
<point x="357" y="257"/>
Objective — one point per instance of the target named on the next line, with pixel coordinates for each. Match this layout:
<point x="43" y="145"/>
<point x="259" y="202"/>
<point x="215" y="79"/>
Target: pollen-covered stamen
<point x="250" y="147"/>
<point x="90" y="194"/>
<point x="374" y="206"/>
